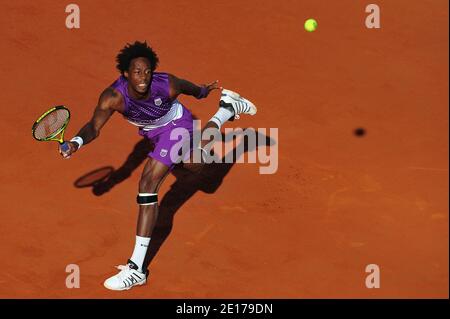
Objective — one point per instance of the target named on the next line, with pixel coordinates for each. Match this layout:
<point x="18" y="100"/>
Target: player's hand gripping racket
<point x="52" y="124"/>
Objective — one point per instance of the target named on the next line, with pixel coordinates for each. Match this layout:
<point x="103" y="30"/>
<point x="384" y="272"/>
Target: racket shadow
<point x="95" y="177"/>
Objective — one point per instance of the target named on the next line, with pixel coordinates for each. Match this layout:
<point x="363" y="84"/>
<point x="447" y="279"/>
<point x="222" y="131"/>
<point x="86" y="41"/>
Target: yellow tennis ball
<point x="310" y="25"/>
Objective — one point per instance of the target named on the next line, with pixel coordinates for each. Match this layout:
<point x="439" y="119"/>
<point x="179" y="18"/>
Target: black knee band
<point x="147" y="198"/>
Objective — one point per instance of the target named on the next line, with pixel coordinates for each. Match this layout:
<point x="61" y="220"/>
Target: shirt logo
<point x="163" y="153"/>
<point x="158" y="101"/>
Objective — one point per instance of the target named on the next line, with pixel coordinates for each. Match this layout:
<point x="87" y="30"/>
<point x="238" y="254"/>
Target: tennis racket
<point x="51" y="124"/>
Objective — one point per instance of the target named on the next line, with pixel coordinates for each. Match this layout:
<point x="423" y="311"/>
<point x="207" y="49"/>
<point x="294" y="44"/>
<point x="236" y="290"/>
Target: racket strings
<point x="51" y="124"/>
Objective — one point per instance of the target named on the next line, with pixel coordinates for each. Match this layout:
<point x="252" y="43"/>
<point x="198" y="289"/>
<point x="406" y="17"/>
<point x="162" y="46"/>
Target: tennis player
<point x="148" y="99"/>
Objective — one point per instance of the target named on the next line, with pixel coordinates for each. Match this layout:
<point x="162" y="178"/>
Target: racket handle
<point x="65" y="147"/>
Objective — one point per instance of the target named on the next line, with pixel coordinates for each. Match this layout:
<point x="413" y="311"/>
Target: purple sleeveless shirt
<point x="145" y="112"/>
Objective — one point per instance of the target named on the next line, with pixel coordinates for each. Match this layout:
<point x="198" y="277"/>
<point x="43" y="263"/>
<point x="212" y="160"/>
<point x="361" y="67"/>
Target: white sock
<point x="221" y="116"/>
<point x="140" y="250"/>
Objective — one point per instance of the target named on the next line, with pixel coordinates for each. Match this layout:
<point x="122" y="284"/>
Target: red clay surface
<point x="337" y="202"/>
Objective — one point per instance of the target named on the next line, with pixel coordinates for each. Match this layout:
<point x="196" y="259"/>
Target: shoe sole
<point x="126" y="288"/>
<point x="236" y="97"/>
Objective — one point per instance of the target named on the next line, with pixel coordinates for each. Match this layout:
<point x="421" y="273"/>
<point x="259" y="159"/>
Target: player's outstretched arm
<point x="109" y="102"/>
<point x="180" y="86"/>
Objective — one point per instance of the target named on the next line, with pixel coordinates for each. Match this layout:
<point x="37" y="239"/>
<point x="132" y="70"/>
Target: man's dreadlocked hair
<point x="135" y="50"/>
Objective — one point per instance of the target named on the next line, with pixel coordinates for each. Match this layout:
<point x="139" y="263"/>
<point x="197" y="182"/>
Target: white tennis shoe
<point x="128" y="277"/>
<point x="236" y="104"/>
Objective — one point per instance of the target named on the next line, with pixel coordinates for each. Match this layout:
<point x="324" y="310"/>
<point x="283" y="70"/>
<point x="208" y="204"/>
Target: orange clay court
<point x="337" y="203"/>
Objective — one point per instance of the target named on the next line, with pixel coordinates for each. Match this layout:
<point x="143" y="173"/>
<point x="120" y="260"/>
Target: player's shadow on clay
<point x="187" y="183"/>
<point x="208" y="179"/>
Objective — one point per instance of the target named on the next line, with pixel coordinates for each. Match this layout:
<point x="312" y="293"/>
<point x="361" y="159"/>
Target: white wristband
<point x="77" y="140"/>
